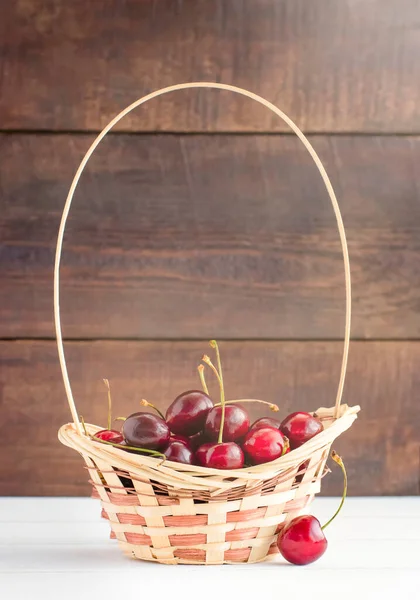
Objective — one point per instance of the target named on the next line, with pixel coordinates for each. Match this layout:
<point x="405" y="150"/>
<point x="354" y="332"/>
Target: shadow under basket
<point x="174" y="513"/>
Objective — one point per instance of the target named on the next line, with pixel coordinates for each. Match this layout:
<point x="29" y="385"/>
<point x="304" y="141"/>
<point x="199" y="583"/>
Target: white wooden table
<point x="59" y="549"/>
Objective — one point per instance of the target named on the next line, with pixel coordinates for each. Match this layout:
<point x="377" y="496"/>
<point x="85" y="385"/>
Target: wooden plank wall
<point x="203" y="217"/>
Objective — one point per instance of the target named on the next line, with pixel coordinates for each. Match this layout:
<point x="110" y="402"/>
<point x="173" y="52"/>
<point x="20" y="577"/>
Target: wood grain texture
<point x="210" y="236"/>
<point x="333" y="66"/>
<point x="381" y="450"/>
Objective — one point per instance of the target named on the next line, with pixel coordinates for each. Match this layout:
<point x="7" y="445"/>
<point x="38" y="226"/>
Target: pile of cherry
<point x="196" y="431"/>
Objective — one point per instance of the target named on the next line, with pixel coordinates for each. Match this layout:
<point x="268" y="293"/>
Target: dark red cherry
<point x="299" y="427"/>
<point x="236" y="423"/>
<point x="266" y="422"/>
<point x="263" y="445"/>
<point x="110" y="435"/>
<point x="227" y="455"/>
<point x="187" y="413"/>
<point x="302" y="541"/>
<point x="145" y="430"/>
<point x="178" y="452"/>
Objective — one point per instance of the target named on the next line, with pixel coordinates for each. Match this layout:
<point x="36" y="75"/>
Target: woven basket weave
<point x="175" y="513"/>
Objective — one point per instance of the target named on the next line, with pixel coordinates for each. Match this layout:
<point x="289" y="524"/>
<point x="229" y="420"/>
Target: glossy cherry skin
<point x="178" y="452"/>
<point x="299" y="427"/>
<point x="187" y="413"/>
<point x="266" y="422"/>
<point x="227" y="455"/>
<point x="302" y="541"/>
<point x="236" y="423"/>
<point x="110" y="435"/>
<point x="263" y="445"/>
<point x="145" y="430"/>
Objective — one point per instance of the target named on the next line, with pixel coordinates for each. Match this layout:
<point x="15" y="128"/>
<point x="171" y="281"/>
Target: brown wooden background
<point x="203" y="217"/>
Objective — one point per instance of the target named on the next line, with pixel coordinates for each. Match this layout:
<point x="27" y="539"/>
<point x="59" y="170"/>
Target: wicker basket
<point x="175" y="513"/>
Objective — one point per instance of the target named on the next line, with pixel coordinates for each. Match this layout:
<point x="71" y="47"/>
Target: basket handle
<point x="115" y="120"/>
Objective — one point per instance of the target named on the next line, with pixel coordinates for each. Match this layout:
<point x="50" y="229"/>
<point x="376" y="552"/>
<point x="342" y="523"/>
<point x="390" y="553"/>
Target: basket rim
<point x="192" y="475"/>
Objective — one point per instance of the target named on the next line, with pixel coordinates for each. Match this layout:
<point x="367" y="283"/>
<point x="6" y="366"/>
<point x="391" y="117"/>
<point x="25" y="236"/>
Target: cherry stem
<point x="106" y="382"/>
<point x="208" y="362"/>
<point x="286" y="446"/>
<point x="95" y="439"/>
<point x="272" y="406"/>
<point x="120" y="419"/>
<point x="84" y="426"/>
<point x="154" y="453"/>
<point x="213" y="344"/>
<point x="339" y="462"/>
<point x="144" y="402"/>
<point x="200" y="369"/>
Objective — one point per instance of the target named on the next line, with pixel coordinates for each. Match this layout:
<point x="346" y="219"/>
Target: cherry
<point x="187" y="413"/>
<point x="263" y="445"/>
<point x="302" y="541"/>
<point x="109" y="435"/>
<point x="236" y="423"/>
<point x="226" y="455"/>
<point x="179" y="452"/>
<point x="266" y="422"/>
<point x="145" y="430"/>
<point x="180" y="438"/>
<point x="299" y="427"/>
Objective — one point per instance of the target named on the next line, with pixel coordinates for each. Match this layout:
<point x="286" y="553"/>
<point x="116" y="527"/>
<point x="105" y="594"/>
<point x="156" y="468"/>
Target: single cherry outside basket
<point x="175" y="513"/>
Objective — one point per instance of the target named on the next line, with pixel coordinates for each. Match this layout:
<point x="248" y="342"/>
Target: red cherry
<point x="236" y="423"/>
<point x="263" y="445"/>
<point x="226" y="455"/>
<point x="302" y="541"/>
<point x="145" y="430"/>
<point x="187" y="413"/>
<point x="299" y="427"/>
<point x="265" y="422"/>
<point x="178" y="452"/>
<point x="109" y="435"/>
